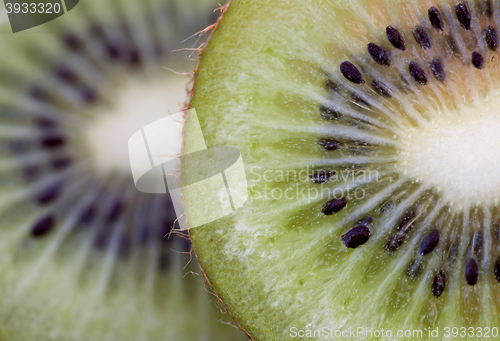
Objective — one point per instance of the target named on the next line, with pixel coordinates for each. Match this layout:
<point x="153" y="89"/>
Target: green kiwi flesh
<point x="368" y="130"/>
<point x="86" y="256"/>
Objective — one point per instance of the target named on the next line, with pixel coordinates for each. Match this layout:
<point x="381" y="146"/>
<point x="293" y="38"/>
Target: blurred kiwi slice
<point x="368" y="130"/>
<point x="86" y="256"/>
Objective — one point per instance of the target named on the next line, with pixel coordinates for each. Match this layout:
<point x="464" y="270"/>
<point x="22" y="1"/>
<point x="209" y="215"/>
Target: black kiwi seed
<point x="407" y="221"/>
<point x="365" y="221"/>
<point x="115" y="210"/>
<point x="417" y="73"/>
<point x="452" y="44"/>
<point x="496" y="270"/>
<point x="53" y="141"/>
<point x="72" y="41"/>
<point x="429" y="243"/>
<point x="329" y="144"/>
<point x="134" y="58"/>
<point x="395" y="38"/>
<point x="437" y="70"/>
<point x="113" y="51"/>
<point x="356" y="236"/>
<point x="66" y="74"/>
<point x="439" y="283"/>
<point x="477" y="60"/>
<point x="334" y="206"/>
<point x="351" y="72"/>
<point x="49" y="194"/>
<point x="463" y="15"/>
<point x="378" y="54"/>
<point x="435" y="18"/>
<point x="332" y="86"/>
<point x="421" y="37"/>
<point x="43" y="226"/>
<point x="321" y="176"/>
<point x="491" y="38"/>
<point x="358" y="100"/>
<point x="381" y="88"/>
<point x="45" y="123"/>
<point x="329" y="113"/>
<point x="471" y="272"/>
<point x="87" y="215"/>
<point x="88" y="95"/>
<point x="110" y="48"/>
<point x="396" y="241"/>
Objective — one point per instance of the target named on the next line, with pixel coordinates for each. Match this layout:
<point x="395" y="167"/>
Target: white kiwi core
<point x="138" y="104"/>
<point x="458" y="154"/>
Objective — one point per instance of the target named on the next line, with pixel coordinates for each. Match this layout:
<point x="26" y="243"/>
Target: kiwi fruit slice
<point x="86" y="256"/>
<point x="368" y="130"/>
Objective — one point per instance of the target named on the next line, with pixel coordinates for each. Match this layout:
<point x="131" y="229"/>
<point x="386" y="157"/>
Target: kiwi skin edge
<point x="220" y="303"/>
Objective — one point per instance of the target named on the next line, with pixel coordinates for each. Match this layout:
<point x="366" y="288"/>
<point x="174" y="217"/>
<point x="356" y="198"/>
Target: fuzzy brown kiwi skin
<point x="210" y="30"/>
<point x="223" y="308"/>
<point x="220" y="303"/>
